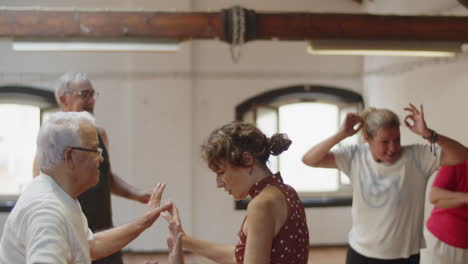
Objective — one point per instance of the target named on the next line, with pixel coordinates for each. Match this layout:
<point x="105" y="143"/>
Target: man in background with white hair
<point x="74" y="92"/>
<point x="47" y="224"/>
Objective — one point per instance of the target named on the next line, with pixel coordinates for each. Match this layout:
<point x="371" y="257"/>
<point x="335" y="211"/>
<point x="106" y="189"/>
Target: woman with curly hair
<point x="275" y="228"/>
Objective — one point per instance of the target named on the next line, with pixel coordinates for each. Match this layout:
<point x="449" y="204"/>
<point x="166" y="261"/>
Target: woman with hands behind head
<point x="275" y="228"/>
<point x="389" y="181"/>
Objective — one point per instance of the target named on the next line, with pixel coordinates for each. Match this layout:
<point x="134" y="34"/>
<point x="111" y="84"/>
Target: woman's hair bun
<point x="279" y="143"/>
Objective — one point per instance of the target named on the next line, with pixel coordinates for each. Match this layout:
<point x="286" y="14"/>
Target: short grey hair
<point x="63" y="83"/>
<point x="59" y="132"/>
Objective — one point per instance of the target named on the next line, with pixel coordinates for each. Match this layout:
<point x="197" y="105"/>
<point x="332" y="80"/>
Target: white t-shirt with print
<point x="388" y="199"/>
<point x="46" y="226"/>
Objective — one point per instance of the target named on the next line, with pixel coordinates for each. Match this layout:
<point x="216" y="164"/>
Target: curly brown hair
<point x="230" y="141"/>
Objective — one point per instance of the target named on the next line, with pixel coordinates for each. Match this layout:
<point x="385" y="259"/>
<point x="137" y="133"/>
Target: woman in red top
<point x="448" y="223"/>
<point x="275" y="228"/>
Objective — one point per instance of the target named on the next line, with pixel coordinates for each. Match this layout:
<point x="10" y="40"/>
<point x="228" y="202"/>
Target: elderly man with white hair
<point x="47" y="224"/>
<point x="74" y="92"/>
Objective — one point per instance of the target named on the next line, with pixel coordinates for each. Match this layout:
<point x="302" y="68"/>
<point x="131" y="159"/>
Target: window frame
<point x="305" y="93"/>
<point x="25" y="95"/>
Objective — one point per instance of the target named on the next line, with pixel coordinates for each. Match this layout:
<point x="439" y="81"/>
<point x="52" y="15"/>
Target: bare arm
<point x="452" y="151"/>
<point x="447" y="199"/>
<point x="216" y="252"/>
<point x="119" y="186"/>
<point x="112" y="240"/>
<point x="320" y="155"/>
<point x="266" y="214"/>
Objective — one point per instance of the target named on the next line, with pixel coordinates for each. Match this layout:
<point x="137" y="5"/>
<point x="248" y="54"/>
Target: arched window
<point x="308" y="114"/>
<point x="21" y="112"/>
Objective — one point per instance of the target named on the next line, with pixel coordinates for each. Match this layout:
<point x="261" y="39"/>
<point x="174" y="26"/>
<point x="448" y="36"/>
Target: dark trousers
<point x="352" y="257"/>
<point x="115" y="258"/>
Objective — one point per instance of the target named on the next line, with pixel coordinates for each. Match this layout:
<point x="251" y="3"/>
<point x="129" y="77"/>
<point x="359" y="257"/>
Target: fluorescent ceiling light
<point x="384" y="48"/>
<point x="107" y="45"/>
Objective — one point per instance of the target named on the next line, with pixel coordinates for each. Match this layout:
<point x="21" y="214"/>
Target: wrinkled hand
<point x="154" y="208"/>
<point x="418" y="124"/>
<point x="174" y="240"/>
<point x="349" y="125"/>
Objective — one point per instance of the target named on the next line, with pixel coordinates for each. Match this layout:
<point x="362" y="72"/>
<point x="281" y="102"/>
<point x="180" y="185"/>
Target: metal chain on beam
<point x="238" y="32"/>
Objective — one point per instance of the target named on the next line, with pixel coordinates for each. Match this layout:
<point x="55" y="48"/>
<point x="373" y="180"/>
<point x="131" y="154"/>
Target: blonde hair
<point x="375" y="118"/>
<point x="230" y="141"/>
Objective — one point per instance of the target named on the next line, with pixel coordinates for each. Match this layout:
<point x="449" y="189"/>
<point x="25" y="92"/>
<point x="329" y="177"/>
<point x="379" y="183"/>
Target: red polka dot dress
<point x="291" y="245"/>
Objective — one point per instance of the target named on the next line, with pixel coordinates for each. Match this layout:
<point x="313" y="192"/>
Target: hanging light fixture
<point x="98" y="45"/>
<point x="383" y="48"/>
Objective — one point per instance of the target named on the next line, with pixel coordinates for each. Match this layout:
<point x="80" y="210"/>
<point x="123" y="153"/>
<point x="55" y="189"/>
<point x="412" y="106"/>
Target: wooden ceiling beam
<point x="209" y="25"/>
<point x="82" y="24"/>
<point x="303" y="26"/>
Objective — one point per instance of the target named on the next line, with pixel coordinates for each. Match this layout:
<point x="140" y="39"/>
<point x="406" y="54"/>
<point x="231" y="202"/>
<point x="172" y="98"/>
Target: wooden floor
<point x="322" y="255"/>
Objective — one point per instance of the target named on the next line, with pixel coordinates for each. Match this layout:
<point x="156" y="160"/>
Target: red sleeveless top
<point x="291" y="244"/>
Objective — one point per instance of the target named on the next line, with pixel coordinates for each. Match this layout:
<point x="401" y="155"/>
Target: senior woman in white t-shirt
<point x="389" y="181"/>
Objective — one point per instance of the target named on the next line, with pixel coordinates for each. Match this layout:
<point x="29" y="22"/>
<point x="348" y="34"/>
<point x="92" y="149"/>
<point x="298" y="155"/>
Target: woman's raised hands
<point x="417" y="124"/>
<point x="174" y="240"/>
<point x="351" y="125"/>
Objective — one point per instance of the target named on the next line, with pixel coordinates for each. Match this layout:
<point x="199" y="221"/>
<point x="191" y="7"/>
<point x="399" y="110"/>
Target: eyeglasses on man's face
<point x="99" y="150"/>
<point x="85" y="94"/>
